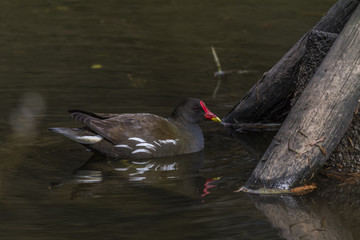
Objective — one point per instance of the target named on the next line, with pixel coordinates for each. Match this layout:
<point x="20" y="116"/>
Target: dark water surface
<point x="145" y="56"/>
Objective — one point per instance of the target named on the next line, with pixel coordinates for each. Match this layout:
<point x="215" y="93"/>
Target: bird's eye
<point x="196" y="109"/>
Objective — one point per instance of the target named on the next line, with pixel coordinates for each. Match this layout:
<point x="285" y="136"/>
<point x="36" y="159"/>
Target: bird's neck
<point x="193" y="130"/>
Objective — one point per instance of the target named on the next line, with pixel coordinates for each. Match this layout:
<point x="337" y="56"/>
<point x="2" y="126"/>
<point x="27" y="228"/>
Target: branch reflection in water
<point x="304" y="217"/>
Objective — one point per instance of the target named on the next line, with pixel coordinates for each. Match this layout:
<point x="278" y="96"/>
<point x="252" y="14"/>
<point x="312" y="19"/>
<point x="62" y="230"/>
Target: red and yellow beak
<point x="208" y="114"/>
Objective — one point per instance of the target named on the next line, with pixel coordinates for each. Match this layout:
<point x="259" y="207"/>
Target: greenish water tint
<point x="145" y="56"/>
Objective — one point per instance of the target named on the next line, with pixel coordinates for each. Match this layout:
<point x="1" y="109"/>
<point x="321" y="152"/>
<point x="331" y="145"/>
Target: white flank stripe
<point x="137" y="139"/>
<point x="146" y="145"/>
<point x="141" y="151"/>
<point x="167" y="141"/>
<point x="123" y="146"/>
<point x="88" y="139"/>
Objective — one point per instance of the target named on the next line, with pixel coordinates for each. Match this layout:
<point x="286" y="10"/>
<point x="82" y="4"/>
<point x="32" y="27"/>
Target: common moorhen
<point x="142" y="135"/>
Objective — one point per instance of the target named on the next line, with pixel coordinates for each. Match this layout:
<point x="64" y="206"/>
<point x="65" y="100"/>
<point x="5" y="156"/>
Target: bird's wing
<point x="122" y="127"/>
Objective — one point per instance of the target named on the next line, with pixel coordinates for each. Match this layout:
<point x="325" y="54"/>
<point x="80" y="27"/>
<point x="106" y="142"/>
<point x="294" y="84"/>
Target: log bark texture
<point x="271" y="98"/>
<point x="318" y="120"/>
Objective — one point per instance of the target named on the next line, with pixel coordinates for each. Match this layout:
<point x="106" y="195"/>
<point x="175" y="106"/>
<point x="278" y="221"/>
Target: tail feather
<point x="79" y="135"/>
<point x="82" y="116"/>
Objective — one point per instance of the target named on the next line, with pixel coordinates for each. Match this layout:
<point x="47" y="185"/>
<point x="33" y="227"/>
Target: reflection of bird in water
<point x="174" y="175"/>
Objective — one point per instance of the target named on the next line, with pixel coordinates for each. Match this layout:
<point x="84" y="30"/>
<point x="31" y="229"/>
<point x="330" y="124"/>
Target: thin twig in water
<point x="219" y="72"/>
<point x="216" y="58"/>
<point x="253" y="126"/>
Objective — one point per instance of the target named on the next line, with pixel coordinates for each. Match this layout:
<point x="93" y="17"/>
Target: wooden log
<point x="318" y="120"/>
<point x="269" y="99"/>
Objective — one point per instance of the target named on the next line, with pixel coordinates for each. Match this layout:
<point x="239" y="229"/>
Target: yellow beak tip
<point x="216" y="120"/>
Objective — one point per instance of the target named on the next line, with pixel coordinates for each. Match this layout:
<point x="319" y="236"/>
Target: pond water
<point x="145" y="56"/>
